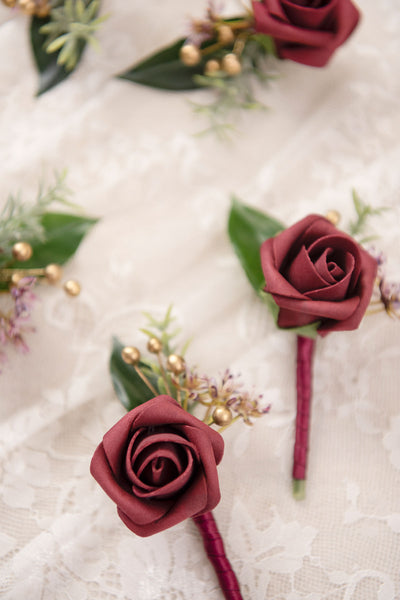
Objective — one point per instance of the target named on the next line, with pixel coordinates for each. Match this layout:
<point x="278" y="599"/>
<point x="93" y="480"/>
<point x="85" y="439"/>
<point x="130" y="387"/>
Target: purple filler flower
<point x="14" y="323"/>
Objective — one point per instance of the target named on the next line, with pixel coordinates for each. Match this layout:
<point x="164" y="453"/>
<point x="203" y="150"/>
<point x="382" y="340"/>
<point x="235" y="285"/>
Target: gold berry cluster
<point x="38" y="8"/>
<point x="170" y="375"/>
<point x="225" y="50"/>
<point x="52" y="273"/>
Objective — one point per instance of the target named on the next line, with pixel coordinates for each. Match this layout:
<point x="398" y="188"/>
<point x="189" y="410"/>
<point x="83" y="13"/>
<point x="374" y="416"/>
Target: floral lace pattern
<point x="163" y="196"/>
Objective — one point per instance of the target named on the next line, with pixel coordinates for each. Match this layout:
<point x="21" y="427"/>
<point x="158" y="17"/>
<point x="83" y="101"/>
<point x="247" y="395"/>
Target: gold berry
<point x="190" y="55"/>
<point x="225" y="35"/>
<point x="16" y="278"/>
<point x="130" y="355"/>
<point x="72" y="287"/>
<point x="222" y="416"/>
<point x="176" y="364"/>
<point x="212" y="66"/>
<point x="231" y="64"/>
<point x="43" y="10"/>
<point x="53" y="273"/>
<point x="28" y="6"/>
<point x="333" y="216"/>
<point x="22" y="251"/>
<point x="154" y="345"/>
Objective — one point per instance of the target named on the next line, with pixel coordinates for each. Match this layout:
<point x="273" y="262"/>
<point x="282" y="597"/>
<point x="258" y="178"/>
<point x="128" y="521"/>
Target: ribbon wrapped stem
<point x="305" y="348"/>
<point x="215" y="550"/>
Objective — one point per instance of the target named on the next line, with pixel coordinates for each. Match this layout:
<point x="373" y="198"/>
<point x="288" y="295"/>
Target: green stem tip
<point x="299" y="489"/>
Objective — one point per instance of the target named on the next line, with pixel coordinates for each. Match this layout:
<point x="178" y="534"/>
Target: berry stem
<point x="305" y="347"/>
<point x="215" y="550"/>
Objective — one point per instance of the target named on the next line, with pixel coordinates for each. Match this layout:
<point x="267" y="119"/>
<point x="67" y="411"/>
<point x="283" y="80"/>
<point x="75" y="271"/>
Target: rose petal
<point x="287" y="244"/>
<point x="274" y="8"/>
<point x="206" y="450"/>
<point x="310" y="3"/>
<point x="211" y="444"/>
<point x="303" y="275"/>
<point x="274" y="281"/>
<point x="319" y="309"/>
<point x="311" y="17"/>
<point x="343" y="245"/>
<point x="339" y="290"/>
<point x="347" y="18"/>
<point x="188" y="505"/>
<point x="312" y="57"/>
<point x="145" y="512"/>
<point x="329" y="270"/>
<point x="307" y="34"/>
<point x="365" y="286"/>
<point x="284" y="31"/>
<point x="152" y="440"/>
<point x="141" y="490"/>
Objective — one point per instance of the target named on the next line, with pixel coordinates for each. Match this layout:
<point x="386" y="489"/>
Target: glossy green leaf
<point x="165" y="70"/>
<point x="50" y="73"/>
<point x="266" y="42"/>
<point x="63" y="234"/>
<point x="248" y="228"/>
<point x="129" y="387"/>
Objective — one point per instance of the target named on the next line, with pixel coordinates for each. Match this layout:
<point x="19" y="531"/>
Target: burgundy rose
<point x="306" y="31"/>
<point x="158" y="464"/>
<point x="317" y="273"/>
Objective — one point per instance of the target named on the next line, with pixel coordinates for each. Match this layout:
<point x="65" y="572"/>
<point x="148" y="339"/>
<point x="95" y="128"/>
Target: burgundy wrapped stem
<point x="215" y="550"/>
<point x="305" y="347"/>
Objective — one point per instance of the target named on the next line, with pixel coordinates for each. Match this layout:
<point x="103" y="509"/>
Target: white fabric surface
<point x="163" y="196"/>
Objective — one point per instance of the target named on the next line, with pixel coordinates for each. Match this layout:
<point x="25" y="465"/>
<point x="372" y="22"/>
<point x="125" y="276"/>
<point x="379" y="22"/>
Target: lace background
<point x="163" y="195"/>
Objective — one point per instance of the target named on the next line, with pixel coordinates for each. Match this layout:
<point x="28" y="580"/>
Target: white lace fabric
<point x="163" y="195"/>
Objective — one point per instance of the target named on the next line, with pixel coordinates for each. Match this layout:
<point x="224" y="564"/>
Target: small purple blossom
<point x="390" y="296"/>
<point x="224" y="390"/>
<point x="14" y="322"/>
<point x="201" y="30"/>
<point x="386" y="293"/>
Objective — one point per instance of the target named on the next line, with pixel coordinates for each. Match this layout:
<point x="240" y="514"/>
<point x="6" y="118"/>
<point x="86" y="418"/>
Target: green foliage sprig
<point x="59" y="40"/>
<point x="22" y="221"/>
<point x="137" y="379"/>
<point x="363" y="212"/>
<point x="227" y="59"/>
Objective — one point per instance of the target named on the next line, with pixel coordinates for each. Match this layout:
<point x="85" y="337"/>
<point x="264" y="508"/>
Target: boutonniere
<point x="59" y="32"/>
<point x="159" y="462"/>
<point x="315" y="279"/>
<point x="225" y="54"/>
<point x="34" y="244"/>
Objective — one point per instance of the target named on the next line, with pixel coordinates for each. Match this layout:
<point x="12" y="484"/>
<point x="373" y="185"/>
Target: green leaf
<point x="50" y="72"/>
<point x="165" y="70"/>
<point x="266" y="42"/>
<point x="305" y="330"/>
<point x="248" y="228"/>
<point x="63" y="234"/>
<point x="128" y="386"/>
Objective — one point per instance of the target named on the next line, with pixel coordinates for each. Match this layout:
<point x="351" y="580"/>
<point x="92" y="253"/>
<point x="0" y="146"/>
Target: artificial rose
<point x="158" y="464"/>
<point x="317" y="273"/>
<point x="306" y="31"/>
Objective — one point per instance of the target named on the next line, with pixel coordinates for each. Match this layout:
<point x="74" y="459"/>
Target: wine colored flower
<point x="318" y="273"/>
<point x="158" y="464"/>
<point x="306" y="31"/>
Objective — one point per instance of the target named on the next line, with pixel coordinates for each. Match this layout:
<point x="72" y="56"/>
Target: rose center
<point x="311" y="3"/>
<point x="159" y="471"/>
<point x="331" y="265"/>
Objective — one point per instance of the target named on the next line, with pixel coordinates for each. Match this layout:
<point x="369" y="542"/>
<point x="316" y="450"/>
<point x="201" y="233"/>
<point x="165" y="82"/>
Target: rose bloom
<point x="306" y="31"/>
<point x="158" y="464"/>
<point x="317" y="273"/>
